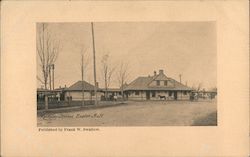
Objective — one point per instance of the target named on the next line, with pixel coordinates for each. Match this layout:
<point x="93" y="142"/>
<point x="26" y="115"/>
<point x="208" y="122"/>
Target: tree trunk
<point x="122" y="94"/>
<point x="46" y="101"/>
<point x="49" y="78"/>
<point x="106" y="91"/>
<point x="53" y="78"/>
<point x="46" y="97"/>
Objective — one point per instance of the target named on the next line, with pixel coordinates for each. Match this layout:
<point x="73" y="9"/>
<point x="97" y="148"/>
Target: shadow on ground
<point x="208" y="120"/>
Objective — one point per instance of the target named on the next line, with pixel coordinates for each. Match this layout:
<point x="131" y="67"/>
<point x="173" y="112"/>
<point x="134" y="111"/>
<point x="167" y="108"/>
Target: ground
<point x="144" y="113"/>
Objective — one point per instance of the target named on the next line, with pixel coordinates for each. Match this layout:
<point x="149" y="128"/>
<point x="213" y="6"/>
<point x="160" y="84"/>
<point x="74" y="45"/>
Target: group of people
<point x="194" y="96"/>
<point x="113" y="97"/>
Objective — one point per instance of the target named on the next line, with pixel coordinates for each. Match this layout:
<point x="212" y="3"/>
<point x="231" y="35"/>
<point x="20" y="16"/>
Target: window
<point x="136" y="92"/>
<point x="185" y="92"/>
<point x="92" y="93"/>
<point x="165" y="83"/>
<point x="158" y="82"/>
<point x="153" y="94"/>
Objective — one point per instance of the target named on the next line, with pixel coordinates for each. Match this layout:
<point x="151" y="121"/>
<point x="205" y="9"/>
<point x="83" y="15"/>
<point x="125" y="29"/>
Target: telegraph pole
<point x="93" y="38"/>
<point x="180" y="78"/>
<point x="180" y="82"/>
<point x="82" y="70"/>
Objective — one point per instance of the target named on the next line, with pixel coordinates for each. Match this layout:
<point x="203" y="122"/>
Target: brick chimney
<point x="155" y="73"/>
<point x="161" y="71"/>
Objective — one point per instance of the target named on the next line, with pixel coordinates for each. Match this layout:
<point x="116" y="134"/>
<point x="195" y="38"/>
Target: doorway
<point x="175" y="95"/>
<point x="147" y="95"/>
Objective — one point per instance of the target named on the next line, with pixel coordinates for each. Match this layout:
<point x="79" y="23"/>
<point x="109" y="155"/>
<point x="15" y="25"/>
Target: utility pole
<point x="82" y="70"/>
<point x="180" y="82"/>
<point x="93" y="38"/>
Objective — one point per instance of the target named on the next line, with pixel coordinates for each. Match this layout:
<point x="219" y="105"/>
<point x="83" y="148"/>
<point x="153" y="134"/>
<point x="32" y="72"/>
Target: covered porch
<point x="158" y="94"/>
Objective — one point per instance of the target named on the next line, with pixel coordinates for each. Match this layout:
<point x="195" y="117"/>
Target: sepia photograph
<point x="126" y="74"/>
<point x="123" y="78"/>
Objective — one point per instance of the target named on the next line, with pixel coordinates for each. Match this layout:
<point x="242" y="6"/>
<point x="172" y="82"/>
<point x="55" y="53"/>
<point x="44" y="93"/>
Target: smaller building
<point x="74" y="92"/>
<point x="210" y="94"/>
<point x="40" y="94"/>
<point x="60" y="93"/>
<point x="53" y="95"/>
<point x="111" y="92"/>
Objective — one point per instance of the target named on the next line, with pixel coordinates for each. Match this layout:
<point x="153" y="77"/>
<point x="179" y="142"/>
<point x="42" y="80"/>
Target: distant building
<point x="40" y="93"/>
<point x="112" y="91"/>
<point x="74" y="92"/>
<point x="157" y="87"/>
<point x="53" y="95"/>
<point x="211" y="94"/>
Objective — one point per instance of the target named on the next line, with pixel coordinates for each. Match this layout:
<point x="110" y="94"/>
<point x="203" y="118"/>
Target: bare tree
<point x="122" y="76"/>
<point x="107" y="71"/>
<point x="84" y="64"/>
<point x="47" y="50"/>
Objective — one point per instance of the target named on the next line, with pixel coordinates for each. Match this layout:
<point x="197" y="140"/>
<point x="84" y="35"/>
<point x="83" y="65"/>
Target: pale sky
<point x="187" y="48"/>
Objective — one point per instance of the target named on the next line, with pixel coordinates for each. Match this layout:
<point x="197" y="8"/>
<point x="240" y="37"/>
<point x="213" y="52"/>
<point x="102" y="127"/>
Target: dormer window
<point x="165" y="83"/>
<point x="158" y="82"/>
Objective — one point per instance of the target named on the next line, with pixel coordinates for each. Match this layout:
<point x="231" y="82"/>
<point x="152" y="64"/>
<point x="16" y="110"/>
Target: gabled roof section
<point x="142" y="83"/>
<point x="78" y="86"/>
<point x="180" y="86"/>
<point x="161" y="77"/>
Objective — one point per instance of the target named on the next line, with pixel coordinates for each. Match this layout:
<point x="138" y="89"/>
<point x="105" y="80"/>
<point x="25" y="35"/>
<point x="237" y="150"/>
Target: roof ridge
<point x="143" y="82"/>
<point x="77" y="85"/>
